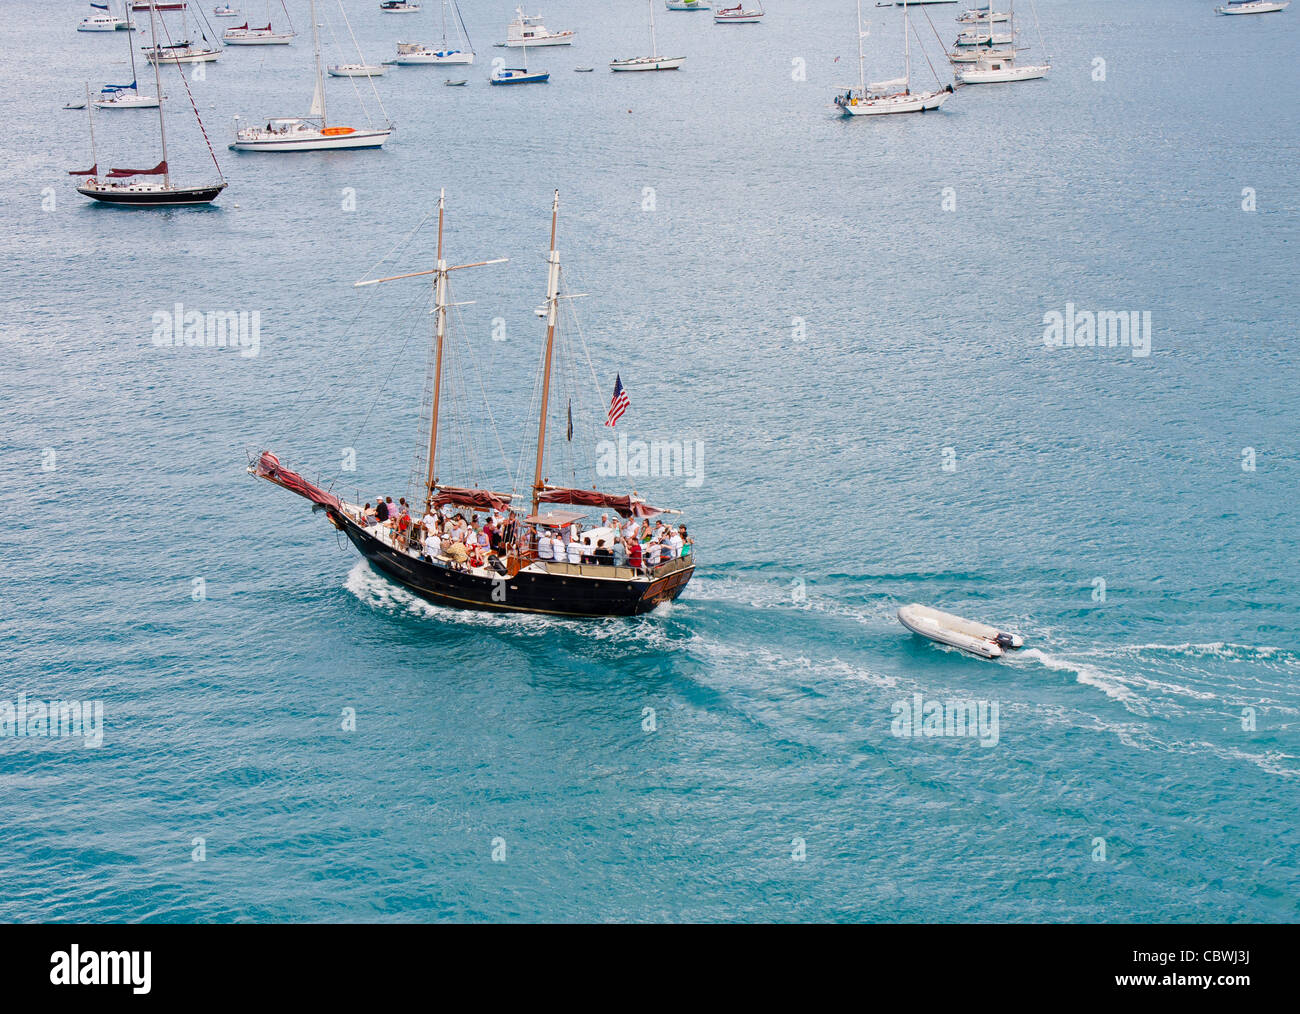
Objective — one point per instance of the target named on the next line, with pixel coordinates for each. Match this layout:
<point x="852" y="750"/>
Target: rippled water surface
<point x="793" y="291"/>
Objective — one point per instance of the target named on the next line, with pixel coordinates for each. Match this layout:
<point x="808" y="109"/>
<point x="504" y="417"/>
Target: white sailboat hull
<point x="648" y="63"/>
<point x="272" y="39"/>
<point x="134" y="102"/>
<point x="912" y="102"/>
<point x="1264" y="7"/>
<point x="558" y="39"/>
<point x="440" y="59"/>
<point x="358" y="70"/>
<point x="194" y="56"/>
<point x="966" y="40"/>
<point x="1002" y="74"/>
<point x="309" y="139"/>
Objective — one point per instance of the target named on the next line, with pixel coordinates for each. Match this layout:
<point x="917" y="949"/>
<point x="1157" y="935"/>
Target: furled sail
<point x="159" y="170"/>
<point x="268" y="467"/>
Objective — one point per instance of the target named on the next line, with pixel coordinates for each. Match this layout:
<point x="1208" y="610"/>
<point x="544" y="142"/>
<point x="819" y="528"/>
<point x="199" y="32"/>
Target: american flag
<point x="618" y="404"/>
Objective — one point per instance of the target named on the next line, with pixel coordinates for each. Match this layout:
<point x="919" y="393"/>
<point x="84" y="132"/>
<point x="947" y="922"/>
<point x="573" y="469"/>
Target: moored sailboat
<point x="520" y="573"/>
<point x="997" y="62"/>
<point x="312" y="132"/>
<point x="879" y="98"/>
<point x="652" y="62"/>
<point x="147" y="187"/>
<point x="126" y="96"/>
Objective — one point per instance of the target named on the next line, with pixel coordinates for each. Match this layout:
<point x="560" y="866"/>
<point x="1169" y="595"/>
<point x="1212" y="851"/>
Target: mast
<point x="862" y="74"/>
<point x="552" y="305"/>
<point x="654" y="46"/>
<point x="440" y="332"/>
<point x="907" y="53"/>
<point x="130" y="48"/>
<point x="90" y="115"/>
<point x="319" y="94"/>
<point x="157" y="81"/>
<point x="440" y="274"/>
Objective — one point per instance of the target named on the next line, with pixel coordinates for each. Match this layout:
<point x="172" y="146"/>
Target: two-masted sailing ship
<point x="515" y="578"/>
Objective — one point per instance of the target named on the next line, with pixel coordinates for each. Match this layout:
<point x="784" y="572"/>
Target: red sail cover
<point x="269" y="467"/>
<point x="624" y="505"/>
<point x="92" y="171"/>
<point x="475" y="499"/>
<point x="158" y="170"/>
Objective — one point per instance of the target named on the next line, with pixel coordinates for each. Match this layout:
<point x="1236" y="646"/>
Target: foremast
<point x="440" y="292"/>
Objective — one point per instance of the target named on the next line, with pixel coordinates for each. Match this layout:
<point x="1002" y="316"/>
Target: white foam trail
<point x="1108" y="683"/>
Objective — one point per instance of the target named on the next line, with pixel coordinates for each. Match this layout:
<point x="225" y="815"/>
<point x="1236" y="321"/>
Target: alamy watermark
<point x="1086" y="329"/>
<point x="211" y="329"/>
<point x="640" y="459"/>
<point x="53" y="720"/>
<point x="953" y="718"/>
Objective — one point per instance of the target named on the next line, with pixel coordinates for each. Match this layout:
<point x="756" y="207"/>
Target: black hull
<point x="526" y="592"/>
<point x="156" y="199"/>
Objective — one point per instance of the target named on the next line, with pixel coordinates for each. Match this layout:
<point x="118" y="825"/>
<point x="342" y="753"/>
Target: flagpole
<point x="552" y="300"/>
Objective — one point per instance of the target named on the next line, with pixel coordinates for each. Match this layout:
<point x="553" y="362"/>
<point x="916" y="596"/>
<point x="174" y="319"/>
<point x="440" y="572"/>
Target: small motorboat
<point x="967" y="635"/>
<point x="399" y="7"/>
<point x="456" y="84"/>
<point x="74" y="105"/>
<point x="104" y="23"/>
<point x="225" y="11"/>
<point x="583" y="70"/>
<point x="686" y="5"/>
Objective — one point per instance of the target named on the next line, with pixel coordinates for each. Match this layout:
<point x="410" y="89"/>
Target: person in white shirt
<point x="574" y="551"/>
<point x="430" y="521"/>
<point x="544" y="547"/>
<point x="630" y="529"/>
<point x="674" y="545"/>
<point x="433" y="544"/>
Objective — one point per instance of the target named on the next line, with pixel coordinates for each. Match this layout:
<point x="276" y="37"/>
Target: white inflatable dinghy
<point x="977" y="638"/>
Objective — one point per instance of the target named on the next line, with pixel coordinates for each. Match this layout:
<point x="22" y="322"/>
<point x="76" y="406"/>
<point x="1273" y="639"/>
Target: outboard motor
<point x="1005" y="641"/>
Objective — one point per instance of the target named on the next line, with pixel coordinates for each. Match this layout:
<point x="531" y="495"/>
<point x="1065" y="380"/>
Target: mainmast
<point x="552" y="306"/>
<point x="157" y="82"/>
<point x="862" y="73"/>
<point x="907" y="50"/>
<point x="90" y="115"/>
<point x="318" y="97"/>
<point x="654" y="47"/>
<point x="440" y="333"/>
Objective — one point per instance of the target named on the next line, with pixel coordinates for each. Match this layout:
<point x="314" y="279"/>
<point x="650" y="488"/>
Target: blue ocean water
<point x="837" y="311"/>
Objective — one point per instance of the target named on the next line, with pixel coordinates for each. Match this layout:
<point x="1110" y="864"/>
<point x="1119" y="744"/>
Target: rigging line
<point x="496" y="432"/>
<point x="577" y="323"/>
<point x="361" y="59"/>
<point x="397" y="361"/>
<point x="1037" y="27"/>
<point x="351" y="80"/>
<point x="936" y="31"/>
<point x="198" y="119"/>
<point x="287" y="17"/>
<point x="921" y="46"/>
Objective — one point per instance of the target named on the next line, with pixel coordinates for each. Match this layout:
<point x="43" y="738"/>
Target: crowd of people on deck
<point x="466" y="543"/>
